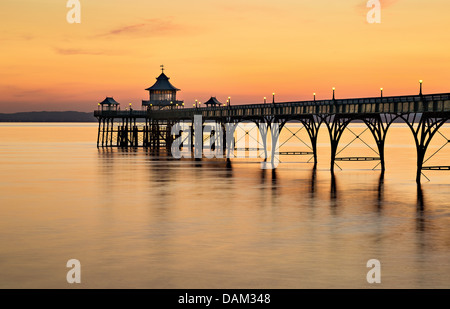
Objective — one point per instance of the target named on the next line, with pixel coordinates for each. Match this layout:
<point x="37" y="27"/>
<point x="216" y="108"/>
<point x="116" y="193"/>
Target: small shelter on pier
<point x="163" y="95"/>
<point x="109" y="104"/>
<point x="213" y="102"/>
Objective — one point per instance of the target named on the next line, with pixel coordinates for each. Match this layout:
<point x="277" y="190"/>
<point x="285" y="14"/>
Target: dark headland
<point x="69" y="116"/>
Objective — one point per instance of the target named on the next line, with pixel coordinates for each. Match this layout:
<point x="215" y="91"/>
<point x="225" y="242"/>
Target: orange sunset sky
<point x="245" y="49"/>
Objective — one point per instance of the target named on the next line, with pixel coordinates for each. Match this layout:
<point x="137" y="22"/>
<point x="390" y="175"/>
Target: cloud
<point x="18" y="37"/>
<point x="29" y="93"/>
<point x="148" y="28"/>
<point x="77" y="51"/>
<point x="27" y="37"/>
<point x="20" y="92"/>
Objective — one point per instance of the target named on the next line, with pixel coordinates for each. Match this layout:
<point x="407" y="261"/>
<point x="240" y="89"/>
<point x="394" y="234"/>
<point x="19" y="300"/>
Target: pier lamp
<point x="421" y="82"/>
<point x="196" y="103"/>
<point x="98" y="106"/>
<point x="176" y="105"/>
<point x="229" y="101"/>
<point x="334" y="89"/>
<point x="265" y="100"/>
<point x="273" y="98"/>
<point x="182" y="104"/>
<point x="381" y="90"/>
<point x="314" y="94"/>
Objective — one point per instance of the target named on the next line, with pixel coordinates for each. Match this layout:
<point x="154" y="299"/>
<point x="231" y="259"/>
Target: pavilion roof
<point x="162" y="83"/>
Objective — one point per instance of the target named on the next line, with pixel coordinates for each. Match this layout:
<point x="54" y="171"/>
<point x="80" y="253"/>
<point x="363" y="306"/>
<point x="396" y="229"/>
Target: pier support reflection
<point x="274" y="183"/>
<point x="420" y="215"/>
<point x="420" y="198"/>
<point x="313" y="183"/>
<point x="380" y="192"/>
<point x="333" y="189"/>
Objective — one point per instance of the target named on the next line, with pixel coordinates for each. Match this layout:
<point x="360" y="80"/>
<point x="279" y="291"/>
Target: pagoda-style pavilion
<point x="163" y="95"/>
<point x="213" y="102"/>
<point x="109" y="104"/>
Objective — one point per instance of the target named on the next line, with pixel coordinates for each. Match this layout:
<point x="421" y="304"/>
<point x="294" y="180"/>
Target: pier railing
<point x="397" y="104"/>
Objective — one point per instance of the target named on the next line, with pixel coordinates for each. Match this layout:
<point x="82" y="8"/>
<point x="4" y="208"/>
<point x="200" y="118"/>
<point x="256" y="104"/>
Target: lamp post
<point x="196" y="103"/>
<point x="334" y="89"/>
<point x="314" y="94"/>
<point x="229" y="101"/>
<point x="98" y="108"/>
<point x="381" y="90"/>
<point x="273" y="98"/>
<point x="421" y="82"/>
<point x="265" y="100"/>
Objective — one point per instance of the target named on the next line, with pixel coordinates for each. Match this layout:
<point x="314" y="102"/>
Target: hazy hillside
<point x="69" y="117"/>
<point x="48" y="117"/>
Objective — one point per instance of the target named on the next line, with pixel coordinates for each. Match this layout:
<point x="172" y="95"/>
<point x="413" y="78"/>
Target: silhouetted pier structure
<point x="152" y="127"/>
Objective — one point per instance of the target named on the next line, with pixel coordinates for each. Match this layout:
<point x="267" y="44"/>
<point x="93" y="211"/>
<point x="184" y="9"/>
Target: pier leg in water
<point x="103" y="134"/>
<point x="275" y="130"/>
<point x="112" y="131"/>
<point x="198" y="138"/>
<point x="378" y="126"/>
<point x="230" y="128"/>
<point x="336" y="126"/>
<point x="424" y="126"/>
<point x="107" y="132"/>
<point x="263" y="129"/>
<point x="98" y="134"/>
<point x="312" y="126"/>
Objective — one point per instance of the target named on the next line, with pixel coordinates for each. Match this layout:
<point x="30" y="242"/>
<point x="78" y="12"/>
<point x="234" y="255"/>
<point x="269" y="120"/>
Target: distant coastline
<point x="70" y="116"/>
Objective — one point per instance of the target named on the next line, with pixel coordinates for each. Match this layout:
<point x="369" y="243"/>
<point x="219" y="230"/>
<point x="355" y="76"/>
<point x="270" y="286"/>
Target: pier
<point x="152" y="126"/>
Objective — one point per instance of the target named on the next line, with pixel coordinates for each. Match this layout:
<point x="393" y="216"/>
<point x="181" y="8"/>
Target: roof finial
<point x="162" y="67"/>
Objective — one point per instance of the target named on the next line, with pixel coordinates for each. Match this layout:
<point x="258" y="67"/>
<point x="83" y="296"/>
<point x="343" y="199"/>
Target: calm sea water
<point x="138" y="221"/>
